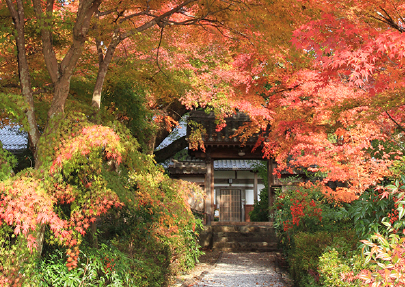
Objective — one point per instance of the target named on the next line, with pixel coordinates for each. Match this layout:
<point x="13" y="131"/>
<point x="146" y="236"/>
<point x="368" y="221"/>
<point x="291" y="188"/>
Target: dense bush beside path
<point x="107" y="214"/>
<point x="333" y="243"/>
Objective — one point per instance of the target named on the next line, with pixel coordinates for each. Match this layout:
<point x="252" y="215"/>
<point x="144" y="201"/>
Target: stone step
<point x="245" y="246"/>
<point x="246" y="239"/>
<point x="242" y="236"/>
<point x="244" y="229"/>
<point x="219" y="223"/>
<point x="271" y="235"/>
<point x="249" y="249"/>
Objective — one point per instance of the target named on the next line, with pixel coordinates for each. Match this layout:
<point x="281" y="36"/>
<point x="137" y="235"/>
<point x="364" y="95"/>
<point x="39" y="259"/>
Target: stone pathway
<point x="242" y="269"/>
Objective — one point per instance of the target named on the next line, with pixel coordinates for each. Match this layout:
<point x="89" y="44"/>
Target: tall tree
<point x="18" y="17"/>
<point x="110" y="22"/>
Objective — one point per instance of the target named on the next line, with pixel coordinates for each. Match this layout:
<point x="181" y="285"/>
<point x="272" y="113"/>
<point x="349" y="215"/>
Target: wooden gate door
<point x="230" y="205"/>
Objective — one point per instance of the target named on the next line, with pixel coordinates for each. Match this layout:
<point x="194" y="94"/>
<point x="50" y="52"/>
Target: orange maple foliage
<point x="342" y="113"/>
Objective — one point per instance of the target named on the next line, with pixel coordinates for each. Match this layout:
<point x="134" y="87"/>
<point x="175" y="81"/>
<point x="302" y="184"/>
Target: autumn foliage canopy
<point x="341" y="113"/>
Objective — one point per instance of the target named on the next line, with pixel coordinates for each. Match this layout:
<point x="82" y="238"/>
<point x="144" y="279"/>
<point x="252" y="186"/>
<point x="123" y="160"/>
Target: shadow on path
<point x="239" y="269"/>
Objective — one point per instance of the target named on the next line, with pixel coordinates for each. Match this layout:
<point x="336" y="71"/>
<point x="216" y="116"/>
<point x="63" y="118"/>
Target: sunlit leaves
<point x="25" y="205"/>
<point x="329" y="116"/>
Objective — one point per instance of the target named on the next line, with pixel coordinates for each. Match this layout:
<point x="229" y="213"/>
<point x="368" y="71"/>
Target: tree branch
<point x="175" y="110"/>
<point x="169" y="151"/>
<point x="157" y="53"/>
<point x="132" y="16"/>
<point x="80" y="30"/>
<point x="398" y="125"/>
<point x="387" y="19"/>
<point x="46" y="37"/>
<point x="156" y="20"/>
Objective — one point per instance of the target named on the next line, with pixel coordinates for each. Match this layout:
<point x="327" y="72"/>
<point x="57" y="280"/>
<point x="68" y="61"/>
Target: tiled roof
<point x="196" y="166"/>
<point x="235" y="164"/>
<point x="188" y="166"/>
<point x="13" y="139"/>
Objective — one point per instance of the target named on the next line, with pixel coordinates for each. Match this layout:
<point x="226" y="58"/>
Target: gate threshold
<point x="224" y="223"/>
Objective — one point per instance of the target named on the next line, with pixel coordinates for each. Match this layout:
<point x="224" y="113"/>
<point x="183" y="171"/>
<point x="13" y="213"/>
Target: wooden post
<point x="208" y="187"/>
<point x="212" y="190"/>
<point x="270" y="178"/>
<point x="255" y="187"/>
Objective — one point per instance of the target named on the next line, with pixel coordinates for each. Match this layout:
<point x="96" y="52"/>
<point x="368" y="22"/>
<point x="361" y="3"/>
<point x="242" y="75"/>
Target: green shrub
<point x="303" y="258"/>
<point x="7" y="163"/>
<point x="106" y="266"/>
<point x="384" y="253"/>
<point x="368" y="211"/>
<point x="340" y="257"/>
<point x="307" y="248"/>
<point x="331" y="267"/>
<point x="260" y="212"/>
<point x="147" y="265"/>
<point x="382" y="260"/>
<point x="16" y="260"/>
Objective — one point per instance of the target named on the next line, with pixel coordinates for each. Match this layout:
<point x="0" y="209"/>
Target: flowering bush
<point x="319" y="254"/>
<point x="299" y="208"/>
<point x="307" y="222"/>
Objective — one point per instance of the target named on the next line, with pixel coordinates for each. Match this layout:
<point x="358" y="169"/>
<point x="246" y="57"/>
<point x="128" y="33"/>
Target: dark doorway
<point x="230" y="205"/>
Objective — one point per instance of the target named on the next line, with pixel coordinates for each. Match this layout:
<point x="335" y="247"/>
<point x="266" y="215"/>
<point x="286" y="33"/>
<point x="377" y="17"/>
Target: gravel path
<point x="243" y="269"/>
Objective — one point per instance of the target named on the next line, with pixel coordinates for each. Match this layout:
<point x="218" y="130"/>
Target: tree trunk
<point x="40" y="236"/>
<point x="104" y="62"/>
<point x="26" y="89"/>
<point x="61" y="72"/>
<point x="23" y="69"/>
<point x="61" y="92"/>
